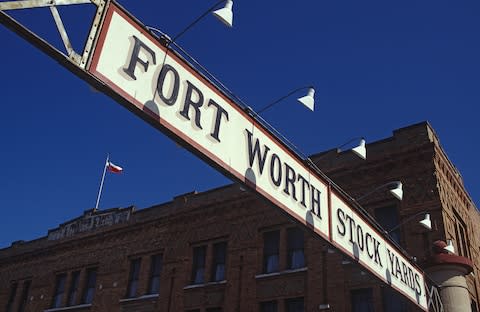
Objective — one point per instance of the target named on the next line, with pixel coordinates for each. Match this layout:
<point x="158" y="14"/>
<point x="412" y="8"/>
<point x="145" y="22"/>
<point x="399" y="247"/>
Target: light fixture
<point x="360" y="150"/>
<point x="395" y="188"/>
<point x="426" y="222"/>
<point x="225" y="15"/>
<point x="307" y="100"/>
<point x="450" y="248"/>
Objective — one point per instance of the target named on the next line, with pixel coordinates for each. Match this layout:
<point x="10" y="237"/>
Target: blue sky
<point x="376" y="66"/>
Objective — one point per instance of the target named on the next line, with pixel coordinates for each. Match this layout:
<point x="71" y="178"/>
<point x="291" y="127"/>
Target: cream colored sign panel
<point x="180" y="100"/>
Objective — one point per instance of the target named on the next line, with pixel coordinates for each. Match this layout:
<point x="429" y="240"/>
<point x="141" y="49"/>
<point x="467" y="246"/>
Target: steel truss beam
<point x="79" y="59"/>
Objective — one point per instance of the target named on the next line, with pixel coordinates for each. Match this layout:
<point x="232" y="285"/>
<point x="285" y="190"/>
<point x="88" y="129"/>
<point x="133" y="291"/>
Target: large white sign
<point x="163" y="89"/>
<point x="161" y="85"/>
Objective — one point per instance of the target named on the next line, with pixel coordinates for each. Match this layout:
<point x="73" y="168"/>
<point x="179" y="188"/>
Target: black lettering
<point x="398" y="270"/>
<point x="315" y="201"/>
<point x="218" y="118"/>
<point x="377" y="252"/>
<point x="290" y="179"/>
<point x="391" y="258"/>
<point x="304" y="183"/>
<point x="418" y="288"/>
<point x="360" y="241"/>
<point x="368" y="236"/>
<point x="410" y="278"/>
<point x="352" y="226"/>
<point x="341" y="217"/>
<point x="161" y="80"/>
<point x="255" y="153"/>
<point x="189" y="102"/>
<point x="404" y="277"/>
<point x="135" y="58"/>
<point x="278" y="180"/>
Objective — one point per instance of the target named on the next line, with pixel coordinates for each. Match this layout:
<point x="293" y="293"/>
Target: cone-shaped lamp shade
<point x="225" y="14"/>
<point x="308" y="99"/>
<point x="449" y="247"/>
<point x="426" y="222"/>
<point x="360" y="150"/>
<point x="397" y="191"/>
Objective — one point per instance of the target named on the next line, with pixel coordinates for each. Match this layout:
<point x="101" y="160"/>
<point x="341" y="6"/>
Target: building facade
<point x="226" y="250"/>
<point x="431" y="184"/>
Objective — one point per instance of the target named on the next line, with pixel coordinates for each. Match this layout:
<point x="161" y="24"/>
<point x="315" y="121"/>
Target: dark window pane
<point x="59" y="291"/>
<point x="462" y="237"/>
<point x="474" y="306"/>
<point x="463" y="240"/>
<point x="268" y="306"/>
<point x="11" y="297"/>
<point x="459" y="244"/>
<point x="89" y="290"/>
<point x="133" y="278"/>
<point x="219" y="257"/>
<point x="271" y="241"/>
<point x="198" y="270"/>
<point x="295" y="305"/>
<point x="362" y="300"/>
<point x="24" y="299"/>
<point x="72" y="293"/>
<point x="155" y="270"/>
<point x="393" y="301"/>
<point x="387" y="217"/>
<point x="295" y="242"/>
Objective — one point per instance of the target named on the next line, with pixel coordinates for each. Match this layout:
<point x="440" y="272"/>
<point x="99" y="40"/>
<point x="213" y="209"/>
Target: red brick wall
<point x="228" y="214"/>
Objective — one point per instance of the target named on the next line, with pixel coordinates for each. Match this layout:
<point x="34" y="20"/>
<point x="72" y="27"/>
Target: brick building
<point x="226" y="250"/>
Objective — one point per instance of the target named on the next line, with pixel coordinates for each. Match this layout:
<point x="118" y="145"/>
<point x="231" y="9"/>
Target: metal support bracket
<point x="79" y="59"/>
<point x="30" y="4"/>
<point x="433" y="298"/>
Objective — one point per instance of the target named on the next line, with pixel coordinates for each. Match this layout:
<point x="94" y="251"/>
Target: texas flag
<point x="114" y="168"/>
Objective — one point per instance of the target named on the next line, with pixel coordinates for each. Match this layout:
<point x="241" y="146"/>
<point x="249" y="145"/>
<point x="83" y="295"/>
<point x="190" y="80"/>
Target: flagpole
<point x="101" y="183"/>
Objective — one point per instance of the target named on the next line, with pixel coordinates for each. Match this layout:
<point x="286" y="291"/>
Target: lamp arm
<point x="374" y="190"/>
<point x="371" y="192"/>
<point x="196" y="21"/>
<point x="349" y="141"/>
<point x="406" y="221"/>
<point x="164" y="35"/>
<point x="281" y="99"/>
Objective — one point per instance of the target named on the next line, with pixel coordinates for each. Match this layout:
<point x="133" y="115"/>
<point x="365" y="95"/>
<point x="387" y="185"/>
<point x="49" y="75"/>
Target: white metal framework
<point x="78" y="58"/>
